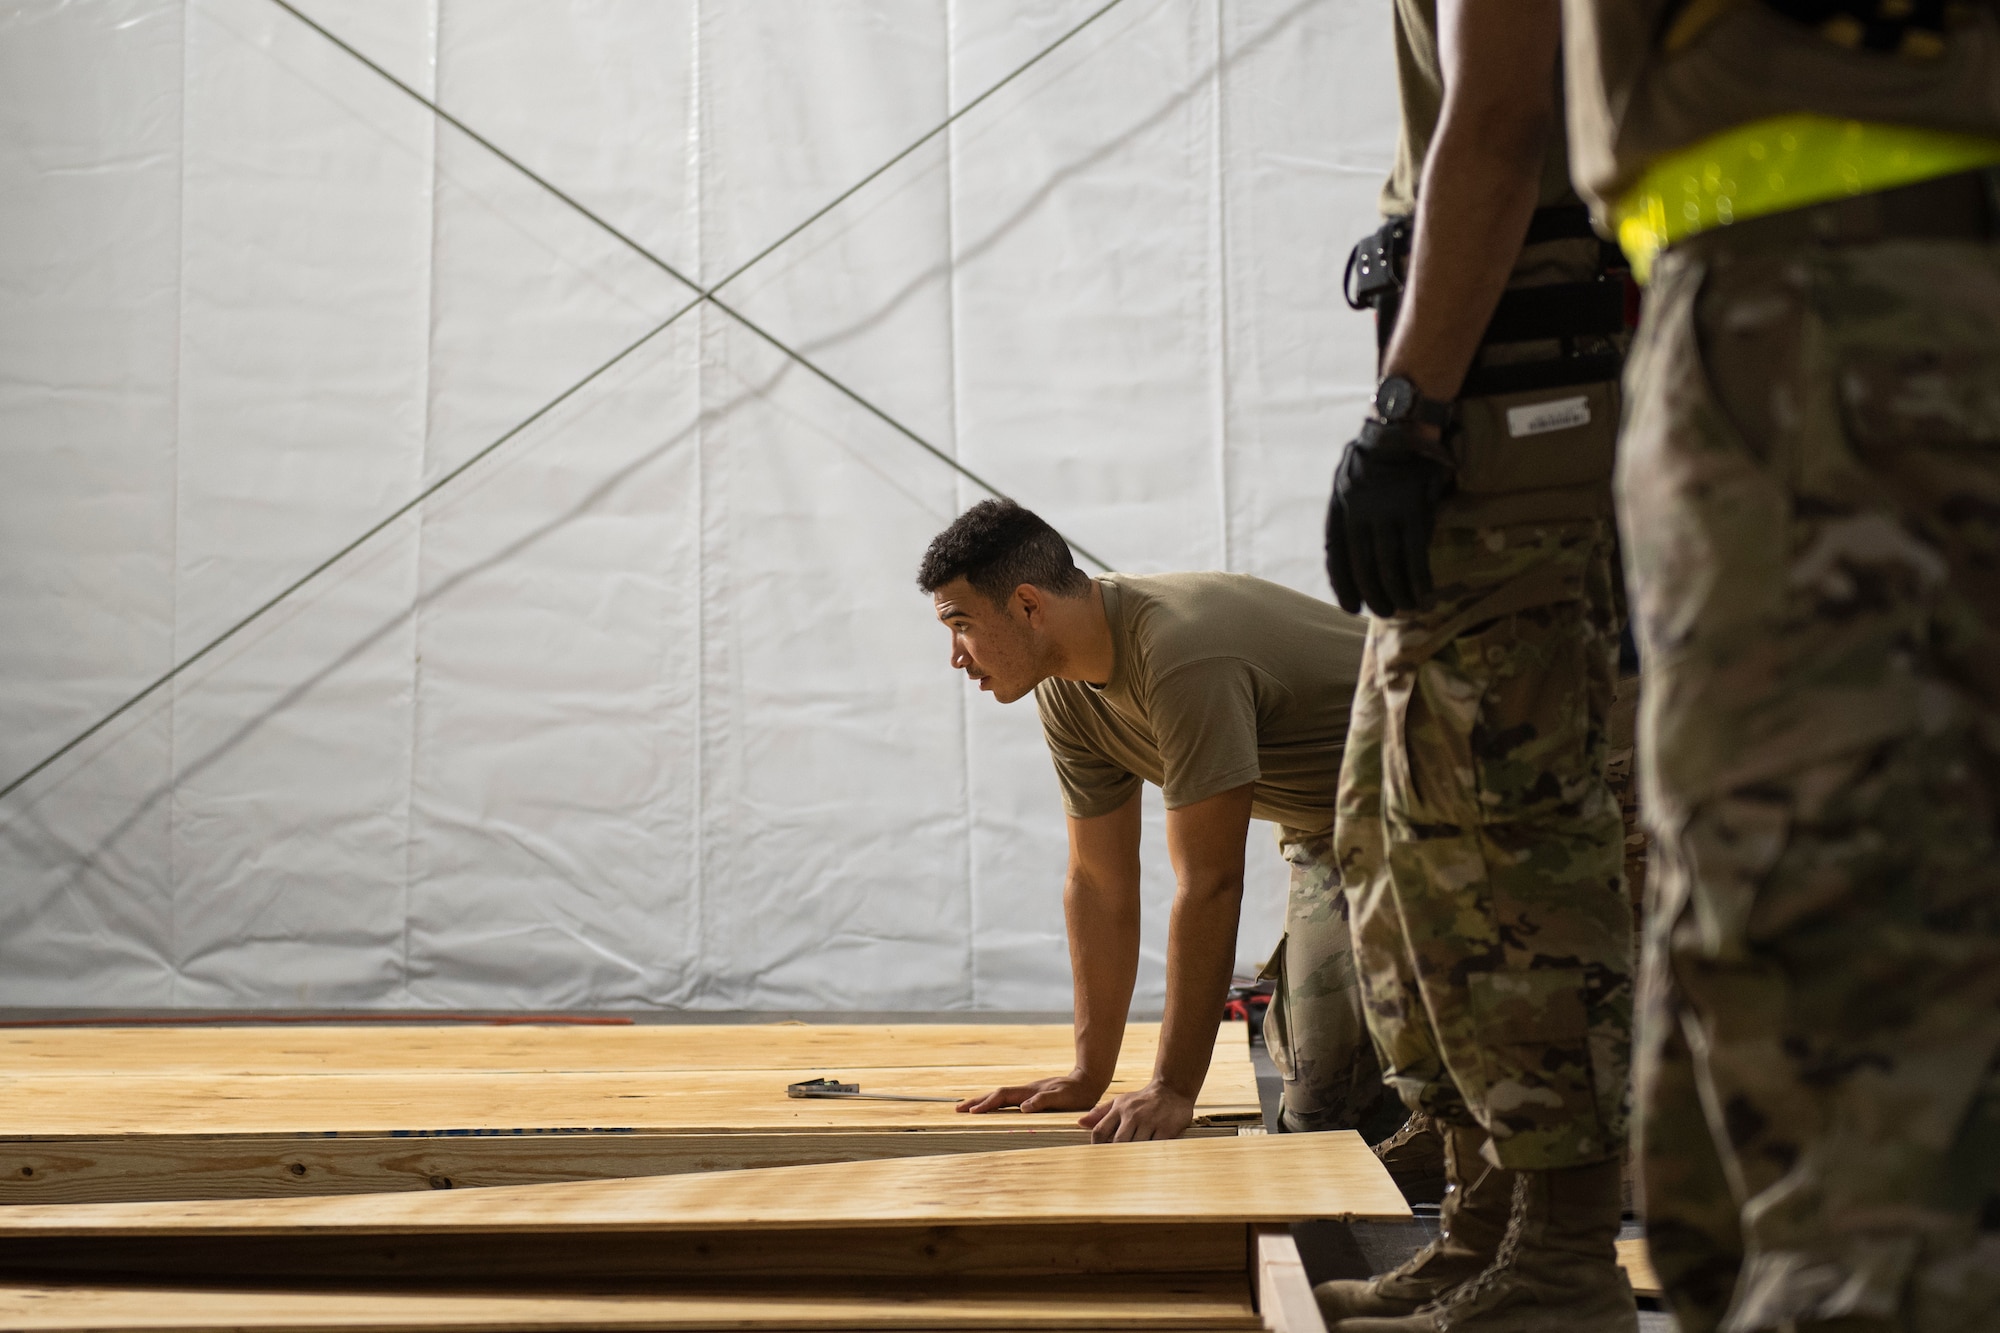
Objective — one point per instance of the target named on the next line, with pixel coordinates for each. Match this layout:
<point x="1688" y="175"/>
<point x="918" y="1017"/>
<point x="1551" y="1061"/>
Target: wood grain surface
<point x="1274" y="1178"/>
<point x="1188" y="1305"/>
<point x="459" y="1048"/>
<point x="84" y="1098"/>
<point x="107" y="1114"/>
<point x="534" y="1260"/>
<point x="290" y="1166"/>
<point x="506" y="1103"/>
<point x="1638" y="1266"/>
<point x="1284" y="1292"/>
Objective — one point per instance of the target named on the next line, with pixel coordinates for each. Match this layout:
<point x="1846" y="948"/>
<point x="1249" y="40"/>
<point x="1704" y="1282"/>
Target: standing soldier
<point x="1480" y="844"/>
<point x="1810" y="493"/>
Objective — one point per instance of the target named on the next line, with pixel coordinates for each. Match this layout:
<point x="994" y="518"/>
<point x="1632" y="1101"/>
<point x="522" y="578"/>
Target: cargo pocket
<point x="1534" y="1046"/>
<point x="1537" y="441"/>
<point x="1277" y="1015"/>
<point x="1537" y="750"/>
<point x="1926" y="425"/>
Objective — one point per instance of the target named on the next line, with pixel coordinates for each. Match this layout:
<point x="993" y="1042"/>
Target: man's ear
<point x="1028" y="600"/>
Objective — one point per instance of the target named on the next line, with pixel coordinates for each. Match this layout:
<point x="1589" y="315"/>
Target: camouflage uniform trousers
<point x="1809" y="487"/>
<point x="1480" y="846"/>
<point x="1314" y="1029"/>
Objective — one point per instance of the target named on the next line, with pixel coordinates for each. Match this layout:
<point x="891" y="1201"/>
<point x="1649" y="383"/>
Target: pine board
<point x="1245" y="1179"/>
<point x="1638" y="1266"/>
<point x="532" y="1260"/>
<point x="1187" y="1305"/>
<point x="1187" y="1206"/>
<point x="512" y="1103"/>
<point x="459" y="1048"/>
<point x="102" y="1114"/>
<point x="288" y="1166"/>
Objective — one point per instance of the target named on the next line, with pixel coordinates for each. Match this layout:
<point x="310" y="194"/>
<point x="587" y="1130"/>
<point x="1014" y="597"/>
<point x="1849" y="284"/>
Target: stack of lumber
<point x="107" y="1114"/>
<point x="1185" y="1235"/>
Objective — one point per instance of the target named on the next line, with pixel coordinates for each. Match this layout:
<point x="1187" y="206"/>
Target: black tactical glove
<point x="1378" y="525"/>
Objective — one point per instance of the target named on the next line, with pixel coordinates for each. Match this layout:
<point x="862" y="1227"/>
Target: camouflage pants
<point x="1809" y="491"/>
<point x="1314" y="1029"/>
<point x="1480" y="846"/>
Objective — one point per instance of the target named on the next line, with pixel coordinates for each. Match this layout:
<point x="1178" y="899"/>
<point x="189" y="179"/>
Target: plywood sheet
<point x="1277" y="1178"/>
<point x="90" y="1115"/>
<point x="459" y="1048"/>
<point x="537" y="1260"/>
<point x="106" y="1170"/>
<point x="1191" y="1305"/>
<point x="1638" y="1265"/>
<point x="362" y="1081"/>
<point x="511" y="1103"/>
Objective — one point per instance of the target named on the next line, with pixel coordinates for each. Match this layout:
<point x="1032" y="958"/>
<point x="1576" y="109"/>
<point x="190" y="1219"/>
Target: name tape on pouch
<point x="1541" y="418"/>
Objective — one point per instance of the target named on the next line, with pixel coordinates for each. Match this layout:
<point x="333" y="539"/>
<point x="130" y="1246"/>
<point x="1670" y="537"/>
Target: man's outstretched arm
<point x="1101" y="909"/>
<point x="1205" y="841"/>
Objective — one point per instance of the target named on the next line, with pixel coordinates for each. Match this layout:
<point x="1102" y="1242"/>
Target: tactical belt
<point x="1788" y="164"/>
<point x="1559" y="312"/>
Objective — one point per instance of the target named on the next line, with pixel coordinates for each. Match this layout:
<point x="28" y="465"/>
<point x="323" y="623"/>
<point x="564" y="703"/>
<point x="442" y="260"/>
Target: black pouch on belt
<point x="1576" y="316"/>
<point x="1513" y="432"/>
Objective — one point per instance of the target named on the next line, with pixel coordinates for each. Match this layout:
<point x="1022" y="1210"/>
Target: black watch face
<point x="1395" y="398"/>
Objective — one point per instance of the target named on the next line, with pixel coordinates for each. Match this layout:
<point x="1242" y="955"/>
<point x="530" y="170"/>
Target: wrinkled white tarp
<point x="645" y="709"/>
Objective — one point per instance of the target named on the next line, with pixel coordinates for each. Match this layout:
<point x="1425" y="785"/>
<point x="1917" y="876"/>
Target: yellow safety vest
<point x="1785" y="162"/>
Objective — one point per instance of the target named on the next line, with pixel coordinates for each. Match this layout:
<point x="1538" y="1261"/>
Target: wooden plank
<point x="534" y="1259"/>
<point x="1284" y="1292"/>
<point x="1239" y="1179"/>
<point x="288" y="1166"/>
<point x="1638" y="1266"/>
<point x="511" y="1103"/>
<point x="334" y="1049"/>
<point x="280" y="1112"/>
<point x="1188" y="1305"/>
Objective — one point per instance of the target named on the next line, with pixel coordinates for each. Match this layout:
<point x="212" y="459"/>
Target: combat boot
<point x="1471" y="1224"/>
<point x="1556" y="1269"/>
<point x="1414" y="1155"/>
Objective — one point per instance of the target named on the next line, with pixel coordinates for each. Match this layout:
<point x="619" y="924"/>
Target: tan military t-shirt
<point x="1217" y="680"/>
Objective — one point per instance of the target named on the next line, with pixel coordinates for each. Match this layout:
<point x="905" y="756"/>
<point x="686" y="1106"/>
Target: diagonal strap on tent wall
<point x="702" y="294"/>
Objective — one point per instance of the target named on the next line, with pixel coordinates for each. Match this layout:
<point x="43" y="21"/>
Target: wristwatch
<point x="1397" y="400"/>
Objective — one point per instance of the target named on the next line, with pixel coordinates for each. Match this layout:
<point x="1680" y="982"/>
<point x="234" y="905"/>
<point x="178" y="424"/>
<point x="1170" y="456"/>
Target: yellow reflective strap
<point x="1769" y="166"/>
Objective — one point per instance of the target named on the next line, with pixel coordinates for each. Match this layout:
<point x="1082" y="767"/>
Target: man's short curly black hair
<point x="996" y="546"/>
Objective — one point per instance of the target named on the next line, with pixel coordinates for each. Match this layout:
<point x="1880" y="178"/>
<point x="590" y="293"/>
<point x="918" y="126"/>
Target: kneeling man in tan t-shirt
<point x="1229" y="693"/>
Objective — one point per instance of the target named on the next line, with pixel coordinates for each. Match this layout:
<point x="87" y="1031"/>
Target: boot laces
<point x="1411" y="1265"/>
<point x="1415" y="1125"/>
<point x="1503" y="1259"/>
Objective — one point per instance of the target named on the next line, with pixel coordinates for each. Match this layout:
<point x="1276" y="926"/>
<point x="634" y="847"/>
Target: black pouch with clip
<point x="1545" y="424"/>
<point x="1570" y="314"/>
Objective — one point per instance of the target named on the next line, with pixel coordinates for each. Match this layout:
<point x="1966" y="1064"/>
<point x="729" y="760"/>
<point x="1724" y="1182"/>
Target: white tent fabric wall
<point x="644" y="710"/>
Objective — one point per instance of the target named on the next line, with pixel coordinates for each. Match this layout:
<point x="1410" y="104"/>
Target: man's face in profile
<point x="995" y="645"/>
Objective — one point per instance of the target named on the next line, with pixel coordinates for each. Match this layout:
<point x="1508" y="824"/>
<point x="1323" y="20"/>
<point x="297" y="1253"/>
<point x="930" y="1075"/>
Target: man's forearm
<point x="1104" y="962"/>
<point x="1201" y="955"/>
